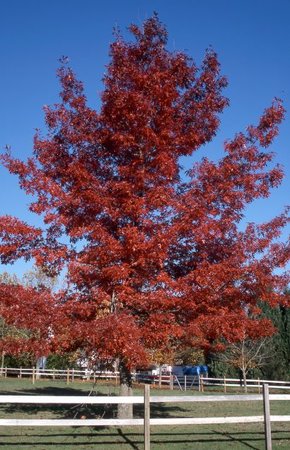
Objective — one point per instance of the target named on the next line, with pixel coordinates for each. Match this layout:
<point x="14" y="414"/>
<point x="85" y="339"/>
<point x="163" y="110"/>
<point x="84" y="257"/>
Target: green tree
<point x="278" y="366"/>
<point x="62" y="362"/>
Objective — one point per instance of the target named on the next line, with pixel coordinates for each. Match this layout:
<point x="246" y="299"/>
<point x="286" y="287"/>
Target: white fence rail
<point x="66" y="374"/>
<point x="147" y="421"/>
<point x="257" y="384"/>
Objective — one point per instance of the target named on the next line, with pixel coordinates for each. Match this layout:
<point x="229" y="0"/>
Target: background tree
<point x="190" y="356"/>
<point x="38" y="279"/>
<point x="5" y="329"/>
<point x="278" y="366"/>
<point x="245" y="355"/>
<point x="25" y="320"/>
<point x="150" y="257"/>
<point x="274" y="351"/>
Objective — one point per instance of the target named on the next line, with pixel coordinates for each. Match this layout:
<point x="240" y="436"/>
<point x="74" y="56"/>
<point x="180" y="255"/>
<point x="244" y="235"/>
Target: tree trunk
<point x="245" y="380"/>
<point x="2" y="362"/>
<point x="125" y="411"/>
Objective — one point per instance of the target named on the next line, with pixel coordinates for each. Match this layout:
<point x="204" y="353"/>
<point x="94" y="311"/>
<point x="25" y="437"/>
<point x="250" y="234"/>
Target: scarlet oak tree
<point x="151" y="258"/>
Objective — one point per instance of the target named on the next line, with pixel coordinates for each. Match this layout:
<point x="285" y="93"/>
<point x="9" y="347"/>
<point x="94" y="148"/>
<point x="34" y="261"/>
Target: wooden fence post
<point x="160" y="377"/>
<point x="201" y="383"/>
<point x="184" y="382"/>
<point x="33" y="375"/>
<point x="147" y="416"/>
<point x="171" y="382"/>
<point x="267" y="419"/>
<point x="225" y="384"/>
<point x="67" y="376"/>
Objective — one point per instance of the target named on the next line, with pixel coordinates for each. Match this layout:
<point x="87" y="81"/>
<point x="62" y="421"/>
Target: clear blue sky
<point x="251" y="37"/>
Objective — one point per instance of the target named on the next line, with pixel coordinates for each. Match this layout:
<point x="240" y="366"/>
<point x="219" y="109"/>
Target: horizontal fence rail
<point x="211" y="381"/>
<point x="20" y="371"/>
<point x="136" y="399"/>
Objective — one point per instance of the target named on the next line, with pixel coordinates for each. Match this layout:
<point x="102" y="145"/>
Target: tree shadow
<point x="135" y="440"/>
<point x="159" y="410"/>
<point x="84" y="410"/>
<point x="233" y="438"/>
<point x="47" y="390"/>
<point x="244" y="439"/>
<point x="127" y="439"/>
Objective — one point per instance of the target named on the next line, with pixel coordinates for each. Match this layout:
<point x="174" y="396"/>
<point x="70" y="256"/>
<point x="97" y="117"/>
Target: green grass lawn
<point x="206" y="437"/>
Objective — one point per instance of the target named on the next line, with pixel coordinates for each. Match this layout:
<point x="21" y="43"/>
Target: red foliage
<point x="31" y="312"/>
<point x="151" y="259"/>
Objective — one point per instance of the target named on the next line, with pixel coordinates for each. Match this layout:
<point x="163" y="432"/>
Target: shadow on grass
<point x="60" y="410"/>
<point x="47" y="390"/>
<point x="234" y="439"/>
<point x="135" y="440"/>
<point x="127" y="439"/>
<point x="85" y="411"/>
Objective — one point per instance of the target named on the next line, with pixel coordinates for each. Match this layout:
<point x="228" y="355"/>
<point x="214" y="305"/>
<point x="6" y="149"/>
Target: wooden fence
<point x="182" y="383"/>
<point x="202" y="383"/>
<point x="226" y="383"/>
<point x="147" y="421"/>
<point x="69" y="375"/>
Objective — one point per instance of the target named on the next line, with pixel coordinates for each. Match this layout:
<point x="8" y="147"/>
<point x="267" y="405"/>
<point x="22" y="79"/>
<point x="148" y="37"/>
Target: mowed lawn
<point x="209" y="437"/>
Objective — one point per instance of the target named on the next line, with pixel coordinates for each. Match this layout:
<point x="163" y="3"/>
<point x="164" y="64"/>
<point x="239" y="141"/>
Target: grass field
<point x="202" y="437"/>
